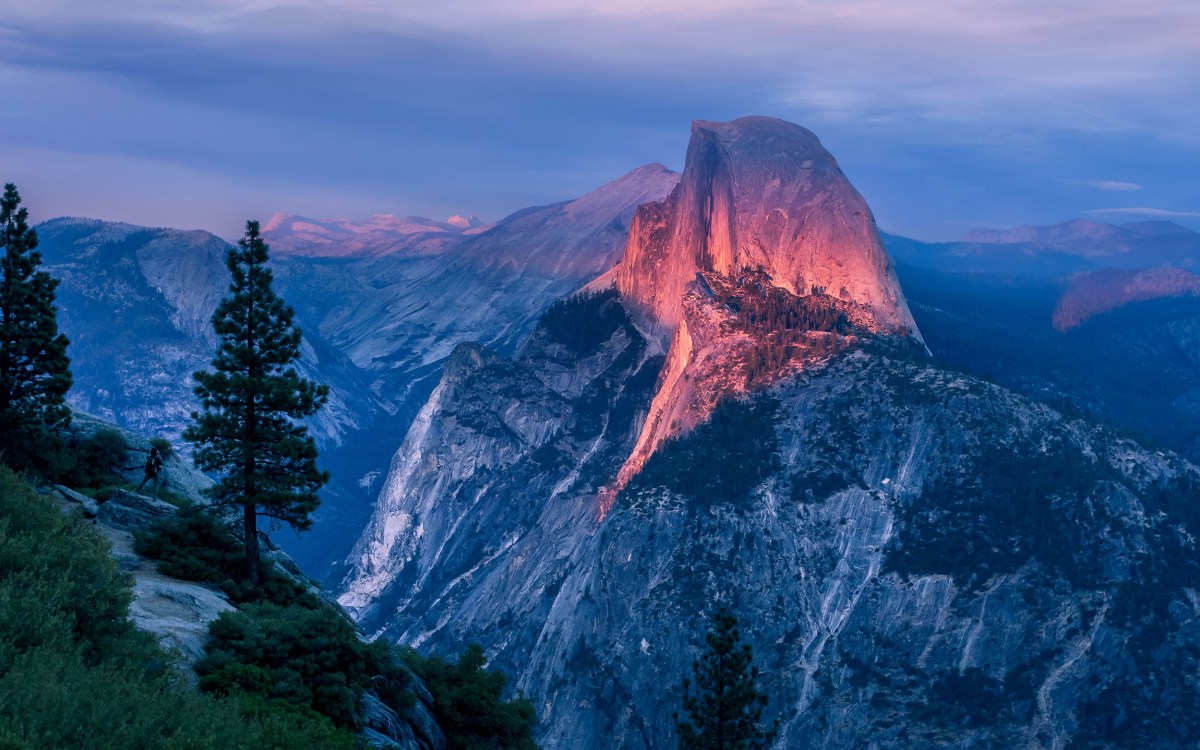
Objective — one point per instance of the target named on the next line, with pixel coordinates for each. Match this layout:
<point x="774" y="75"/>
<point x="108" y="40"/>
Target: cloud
<point x="1107" y="185"/>
<point x="1160" y="213"/>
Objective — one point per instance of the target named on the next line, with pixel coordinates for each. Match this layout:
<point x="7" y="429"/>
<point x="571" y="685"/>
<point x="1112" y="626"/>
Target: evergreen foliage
<point x="722" y="460"/>
<point x="94" y="461"/>
<point x="583" y="322"/>
<point x="35" y="372"/>
<point x="468" y="703"/>
<point x="196" y="546"/>
<point x="304" y="655"/>
<point x="74" y="673"/>
<point x="723" y="707"/>
<point x="253" y="398"/>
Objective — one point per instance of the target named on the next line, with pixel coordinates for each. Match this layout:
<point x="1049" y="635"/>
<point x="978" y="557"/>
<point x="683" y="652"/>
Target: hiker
<point x="154" y="466"/>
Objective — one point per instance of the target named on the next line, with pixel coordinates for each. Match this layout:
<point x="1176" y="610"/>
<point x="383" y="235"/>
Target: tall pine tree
<point x="252" y="398"/>
<point x="35" y="372"/>
<point x="723" y="705"/>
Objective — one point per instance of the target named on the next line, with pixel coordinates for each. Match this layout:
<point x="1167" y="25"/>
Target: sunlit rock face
<point x="760" y="193"/>
<point x="761" y="198"/>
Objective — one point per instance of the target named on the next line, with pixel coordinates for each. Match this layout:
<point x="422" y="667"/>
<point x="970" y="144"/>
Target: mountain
<point x="1057" y="250"/>
<point x="136" y="304"/>
<point x="1114" y="343"/>
<point x="918" y="557"/>
<point x="817" y="233"/>
<point x="761" y="206"/>
<point x="1091" y="294"/>
<point x="411" y="236"/>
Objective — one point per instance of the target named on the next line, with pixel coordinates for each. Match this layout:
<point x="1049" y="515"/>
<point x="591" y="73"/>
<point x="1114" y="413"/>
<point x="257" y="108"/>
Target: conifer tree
<point x="723" y="705"/>
<point x="35" y="372"/>
<point x="252" y="399"/>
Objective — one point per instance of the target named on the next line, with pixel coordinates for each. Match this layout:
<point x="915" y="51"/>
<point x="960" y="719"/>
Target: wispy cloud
<point x="1107" y="185"/>
<point x="1160" y="213"/>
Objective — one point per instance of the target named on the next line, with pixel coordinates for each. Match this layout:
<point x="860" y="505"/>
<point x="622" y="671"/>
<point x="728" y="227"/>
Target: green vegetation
<point x="722" y="460"/>
<point x="583" y="322"/>
<point x="722" y="705"/>
<point x="284" y="647"/>
<point x="75" y="673"/>
<point x="302" y="658"/>
<point x="468" y="703"/>
<point x="996" y="514"/>
<point x="35" y="372"/>
<point x="248" y="431"/>
<point x="92" y="462"/>
<point x="287" y="650"/>
<point x="197" y="546"/>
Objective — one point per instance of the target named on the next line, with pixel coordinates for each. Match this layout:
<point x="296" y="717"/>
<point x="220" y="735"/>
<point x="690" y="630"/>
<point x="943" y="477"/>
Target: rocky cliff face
<point x="760" y="193"/>
<point x="759" y="199"/>
<point x="919" y="558"/>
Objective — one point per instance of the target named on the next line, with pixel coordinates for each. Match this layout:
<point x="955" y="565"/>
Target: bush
<point x="164" y="447"/>
<point x="197" y="546"/>
<point x="468" y="706"/>
<point x="75" y="673"/>
<point x="58" y="584"/>
<point x="307" y="657"/>
<point x="89" y="462"/>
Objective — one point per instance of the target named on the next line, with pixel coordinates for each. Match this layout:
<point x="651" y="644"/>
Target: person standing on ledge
<point x="154" y="464"/>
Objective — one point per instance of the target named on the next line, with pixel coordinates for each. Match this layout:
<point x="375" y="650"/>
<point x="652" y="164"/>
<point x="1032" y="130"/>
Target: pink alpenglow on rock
<point x="759" y="192"/>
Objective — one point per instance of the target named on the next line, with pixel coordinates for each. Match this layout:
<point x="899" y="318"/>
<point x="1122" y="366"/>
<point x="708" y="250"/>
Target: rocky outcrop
<point x="549" y="426"/>
<point x="760" y="193"/>
<point x="760" y="200"/>
<point x="918" y="559"/>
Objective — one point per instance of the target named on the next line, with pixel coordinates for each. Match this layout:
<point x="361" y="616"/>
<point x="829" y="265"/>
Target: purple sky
<point x="946" y="115"/>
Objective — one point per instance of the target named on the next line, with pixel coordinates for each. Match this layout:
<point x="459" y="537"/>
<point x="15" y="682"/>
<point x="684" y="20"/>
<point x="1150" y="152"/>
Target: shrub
<point x="197" y="545"/>
<point x="164" y="447"/>
<point x="89" y="462"/>
<point x="468" y="705"/>
<point x="75" y="673"/>
<point x="306" y="657"/>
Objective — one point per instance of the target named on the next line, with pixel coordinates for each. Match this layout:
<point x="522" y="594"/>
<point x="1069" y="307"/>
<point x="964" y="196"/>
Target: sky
<point x="945" y="114"/>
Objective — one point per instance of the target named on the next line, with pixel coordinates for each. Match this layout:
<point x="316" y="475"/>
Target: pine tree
<point x="724" y="711"/>
<point x="35" y="372"/>
<point x="249" y="431"/>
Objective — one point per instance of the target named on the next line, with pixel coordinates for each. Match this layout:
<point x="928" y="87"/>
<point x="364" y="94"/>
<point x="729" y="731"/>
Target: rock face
<point x="547" y="426"/>
<point x="918" y="558"/>
<point x="760" y="198"/>
<point x="760" y="193"/>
